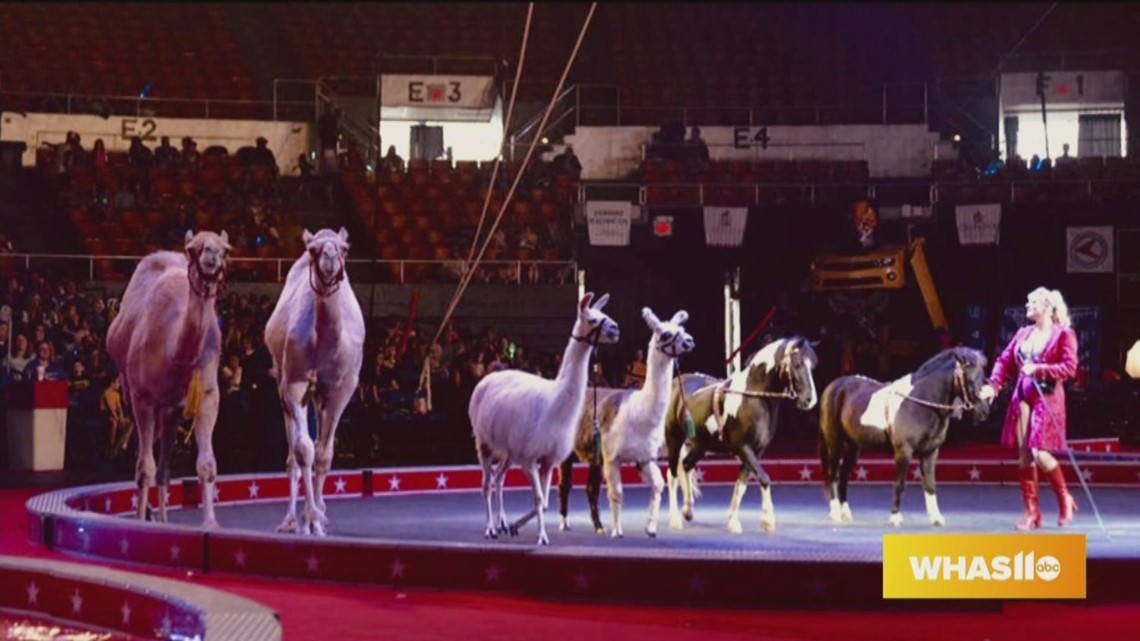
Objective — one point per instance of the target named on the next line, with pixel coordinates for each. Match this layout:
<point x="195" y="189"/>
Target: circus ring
<point x="423" y="528"/>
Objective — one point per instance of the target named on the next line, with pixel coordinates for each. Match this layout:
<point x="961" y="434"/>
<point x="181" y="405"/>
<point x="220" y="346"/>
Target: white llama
<point x="167" y="344"/>
<point x="531" y="421"/>
<point x="632" y="422"/>
<point x="316" y="337"/>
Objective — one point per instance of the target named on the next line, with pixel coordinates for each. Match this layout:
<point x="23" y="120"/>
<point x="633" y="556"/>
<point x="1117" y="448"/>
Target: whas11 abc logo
<point x="1019" y="567"/>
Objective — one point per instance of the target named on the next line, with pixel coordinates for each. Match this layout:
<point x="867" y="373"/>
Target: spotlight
<point x="1132" y="362"/>
<point x="957" y="138"/>
<point x="545" y="140"/>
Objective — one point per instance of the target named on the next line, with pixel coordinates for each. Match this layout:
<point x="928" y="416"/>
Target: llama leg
<point x="300" y="462"/>
<point x="928" y="462"/>
<point x="738" y="491"/>
<point x="144" y="465"/>
<point x="902" y="462"/>
<point x="167" y="427"/>
<point x="565" y="484"/>
<point x="487" y="462"/>
<point x="593" y="493"/>
<point x="614" y="491"/>
<point x="500" y="479"/>
<point x="850" y="458"/>
<point x="535" y="475"/>
<point x="652" y="475"/>
<point x="207" y="463"/>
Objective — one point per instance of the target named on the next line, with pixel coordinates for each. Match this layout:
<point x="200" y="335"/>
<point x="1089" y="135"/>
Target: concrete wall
<point x="608" y="153"/>
<point x="286" y="139"/>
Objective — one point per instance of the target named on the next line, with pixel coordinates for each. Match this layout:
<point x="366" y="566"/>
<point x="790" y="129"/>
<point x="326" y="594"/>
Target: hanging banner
<point x="1089" y="250"/>
<point x="608" y="222"/>
<point x="978" y="224"/>
<point x="1086" y="322"/>
<point x="724" y="226"/>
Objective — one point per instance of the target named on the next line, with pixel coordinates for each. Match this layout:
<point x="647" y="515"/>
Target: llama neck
<point x="658" y="372"/>
<point x="573" y="375"/>
<point x="195" y="324"/>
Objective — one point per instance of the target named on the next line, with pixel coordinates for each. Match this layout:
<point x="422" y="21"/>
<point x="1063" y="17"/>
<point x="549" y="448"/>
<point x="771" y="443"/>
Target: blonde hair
<point x="1055" y="301"/>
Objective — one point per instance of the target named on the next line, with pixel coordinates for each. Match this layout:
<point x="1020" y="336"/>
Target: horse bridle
<point x="784" y="371"/>
<point x="959" y="381"/>
<point x="331" y="285"/>
<point x="213" y="284"/>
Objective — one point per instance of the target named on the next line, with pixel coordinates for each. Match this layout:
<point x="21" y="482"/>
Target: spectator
<point x="43" y="367"/>
<point x="696" y="152"/>
<point x="166" y="157"/>
<point x="392" y="162"/>
<point x="567" y="164"/>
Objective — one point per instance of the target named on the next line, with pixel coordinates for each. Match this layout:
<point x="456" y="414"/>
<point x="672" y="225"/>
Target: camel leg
<point x="928" y="462"/>
<point x="651" y="474"/>
<point x="207" y="463"/>
<point x="612" y="471"/>
<point x="565" y="484"/>
<point x="328" y="418"/>
<point x="300" y="459"/>
<point x="167" y="426"/>
<point x="144" y="465"/>
<point x="738" y="492"/>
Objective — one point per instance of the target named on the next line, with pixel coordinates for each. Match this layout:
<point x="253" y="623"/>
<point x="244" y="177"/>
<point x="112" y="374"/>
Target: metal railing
<point x="107" y="106"/>
<point x="117" y="268"/>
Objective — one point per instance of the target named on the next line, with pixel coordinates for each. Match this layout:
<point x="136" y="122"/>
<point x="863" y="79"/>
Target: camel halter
<point x="209" y="286"/>
<point x="331" y="285"/>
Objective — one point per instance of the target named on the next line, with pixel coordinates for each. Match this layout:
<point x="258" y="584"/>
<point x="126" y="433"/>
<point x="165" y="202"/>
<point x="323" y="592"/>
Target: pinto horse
<point x="910" y="416"/>
<point x="736" y="415"/>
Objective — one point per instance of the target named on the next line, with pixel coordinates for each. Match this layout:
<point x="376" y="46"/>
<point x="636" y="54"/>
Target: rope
<point x="768" y="317"/>
<point x="465" y="280"/>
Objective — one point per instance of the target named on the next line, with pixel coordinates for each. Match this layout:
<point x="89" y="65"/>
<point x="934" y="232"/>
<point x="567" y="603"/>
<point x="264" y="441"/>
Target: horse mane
<point x="966" y="355"/>
<point x="773" y="352"/>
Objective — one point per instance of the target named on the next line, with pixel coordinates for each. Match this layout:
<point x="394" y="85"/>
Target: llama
<point x="632" y="425"/>
<point x="167" y="344"/>
<point x="316" y="338"/>
<point x="531" y="421"/>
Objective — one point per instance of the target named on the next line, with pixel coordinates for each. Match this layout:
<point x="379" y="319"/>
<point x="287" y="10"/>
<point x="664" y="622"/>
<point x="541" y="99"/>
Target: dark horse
<point x="909" y="416"/>
<point x="736" y="416"/>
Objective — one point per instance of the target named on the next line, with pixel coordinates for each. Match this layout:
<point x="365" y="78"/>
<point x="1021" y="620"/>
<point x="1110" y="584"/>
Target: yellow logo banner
<point x="984" y="566"/>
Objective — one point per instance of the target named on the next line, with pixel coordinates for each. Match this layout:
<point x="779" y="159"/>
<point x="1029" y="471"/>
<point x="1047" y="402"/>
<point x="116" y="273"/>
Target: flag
<point x="724" y="226"/>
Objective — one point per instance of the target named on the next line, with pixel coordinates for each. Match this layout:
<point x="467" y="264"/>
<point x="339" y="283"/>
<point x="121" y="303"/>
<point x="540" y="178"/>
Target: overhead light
<point x="545" y="140"/>
<point x="957" y="138"/>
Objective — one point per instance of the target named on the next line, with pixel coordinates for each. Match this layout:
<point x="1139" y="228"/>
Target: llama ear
<point x="585" y="304"/>
<point x="225" y="238"/>
<point x="343" y="234"/>
<point x="680" y="317"/>
<point x="306" y="237"/>
<point x="601" y="301"/>
<point x="650" y="318"/>
<point x="189" y="236"/>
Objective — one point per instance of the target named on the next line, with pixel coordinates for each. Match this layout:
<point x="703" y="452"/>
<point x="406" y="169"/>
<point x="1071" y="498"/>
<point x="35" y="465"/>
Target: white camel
<point x="316" y="338"/>
<point x="167" y="344"/>
<point x="632" y="423"/>
<point x="531" y="421"/>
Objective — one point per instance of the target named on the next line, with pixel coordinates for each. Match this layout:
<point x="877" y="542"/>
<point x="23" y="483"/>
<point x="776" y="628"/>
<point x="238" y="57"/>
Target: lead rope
<point x="686" y="414"/>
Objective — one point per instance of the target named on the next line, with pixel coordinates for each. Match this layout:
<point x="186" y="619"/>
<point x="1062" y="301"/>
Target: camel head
<point x="207" y="252"/>
<point x="669" y="336"/>
<point x="327" y="252"/>
<point x="593" y="325"/>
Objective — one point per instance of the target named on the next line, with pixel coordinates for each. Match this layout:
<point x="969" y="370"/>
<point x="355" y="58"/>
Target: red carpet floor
<point x="318" y="612"/>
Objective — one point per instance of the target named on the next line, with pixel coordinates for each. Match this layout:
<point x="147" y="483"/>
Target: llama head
<point x="594" y="325"/>
<point x="207" y="253"/>
<point x="669" y="336"/>
<point x="327" y="251"/>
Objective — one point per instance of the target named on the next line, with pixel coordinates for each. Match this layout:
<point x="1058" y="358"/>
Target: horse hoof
<point x="896" y="519"/>
<point x="768" y="526"/>
<point x="734" y="527"/>
<point x="937" y="521"/>
<point x="835" y="517"/>
<point x="845" y="513"/>
<point x="675" y="523"/>
<point x="599" y="529"/>
<point x="688" y="514"/>
<point x="564" y="525"/>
